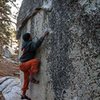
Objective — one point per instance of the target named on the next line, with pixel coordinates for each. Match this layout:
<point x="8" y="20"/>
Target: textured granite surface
<point x="70" y="55"/>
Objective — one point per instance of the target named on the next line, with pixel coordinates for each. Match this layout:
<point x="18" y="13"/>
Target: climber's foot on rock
<point x="35" y="81"/>
<point x="37" y="8"/>
<point x="25" y="97"/>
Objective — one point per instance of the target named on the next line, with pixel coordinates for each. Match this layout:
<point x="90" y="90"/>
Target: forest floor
<point x="7" y="68"/>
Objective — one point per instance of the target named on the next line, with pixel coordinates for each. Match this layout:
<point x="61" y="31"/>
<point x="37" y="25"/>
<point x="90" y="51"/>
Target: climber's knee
<point x="35" y="66"/>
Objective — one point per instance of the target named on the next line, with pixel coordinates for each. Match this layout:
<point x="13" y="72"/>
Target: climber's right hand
<point x="46" y="33"/>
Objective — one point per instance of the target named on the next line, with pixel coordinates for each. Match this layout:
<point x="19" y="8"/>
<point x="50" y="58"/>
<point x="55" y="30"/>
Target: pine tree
<point x="5" y="21"/>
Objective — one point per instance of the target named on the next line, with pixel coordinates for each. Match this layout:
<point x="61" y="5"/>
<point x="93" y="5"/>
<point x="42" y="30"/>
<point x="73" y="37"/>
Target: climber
<point x="29" y="63"/>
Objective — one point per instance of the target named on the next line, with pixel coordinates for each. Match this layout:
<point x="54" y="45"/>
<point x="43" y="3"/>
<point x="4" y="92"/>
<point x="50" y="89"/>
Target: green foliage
<point x="5" y="21"/>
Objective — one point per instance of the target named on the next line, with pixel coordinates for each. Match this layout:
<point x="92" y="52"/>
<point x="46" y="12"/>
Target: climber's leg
<point x="35" y="63"/>
<point x="34" y="70"/>
<point x="25" y="86"/>
<point x="30" y="68"/>
<point x="26" y="82"/>
<point x="25" y="68"/>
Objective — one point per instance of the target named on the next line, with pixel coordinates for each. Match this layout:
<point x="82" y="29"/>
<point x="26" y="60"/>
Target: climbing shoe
<point x="25" y="97"/>
<point x="35" y="81"/>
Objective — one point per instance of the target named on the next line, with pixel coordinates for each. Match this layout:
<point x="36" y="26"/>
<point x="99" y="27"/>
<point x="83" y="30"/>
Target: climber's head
<point x="27" y="37"/>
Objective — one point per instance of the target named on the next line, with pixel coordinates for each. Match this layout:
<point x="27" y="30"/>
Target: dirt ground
<point x="8" y="68"/>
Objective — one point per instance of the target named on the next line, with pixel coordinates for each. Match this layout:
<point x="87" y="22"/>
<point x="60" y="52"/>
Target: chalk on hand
<point x="47" y="5"/>
<point x="48" y="30"/>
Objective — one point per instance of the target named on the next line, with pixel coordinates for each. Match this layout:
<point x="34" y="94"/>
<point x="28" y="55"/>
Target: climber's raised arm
<point x="39" y="42"/>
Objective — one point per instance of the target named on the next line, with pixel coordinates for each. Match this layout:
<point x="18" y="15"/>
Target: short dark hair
<point x="26" y="36"/>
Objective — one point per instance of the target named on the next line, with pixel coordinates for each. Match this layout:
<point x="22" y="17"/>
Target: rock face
<point x="10" y="88"/>
<point x="70" y="55"/>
